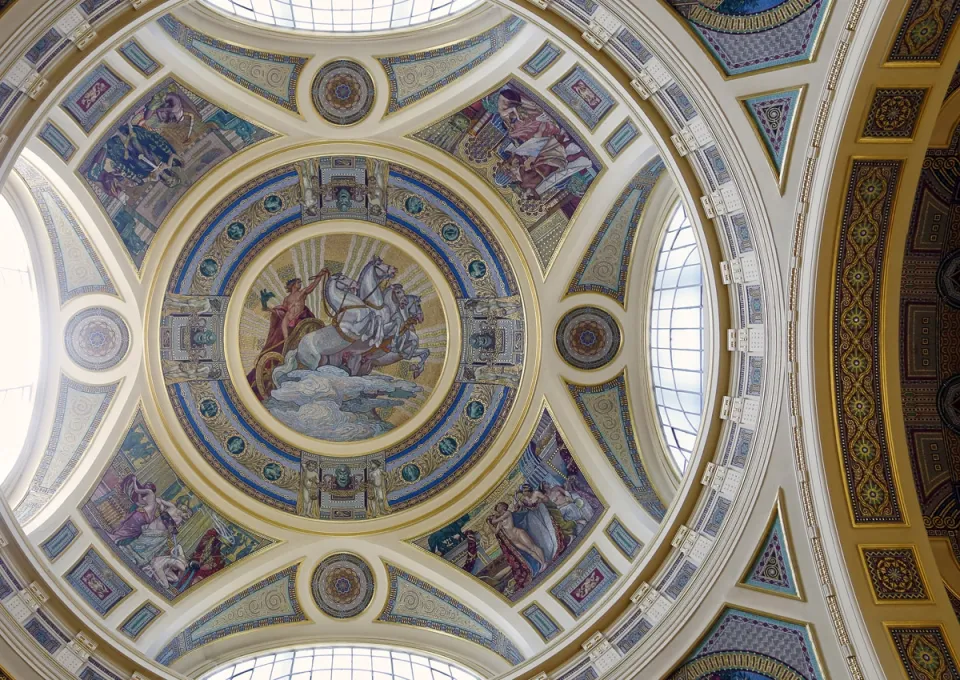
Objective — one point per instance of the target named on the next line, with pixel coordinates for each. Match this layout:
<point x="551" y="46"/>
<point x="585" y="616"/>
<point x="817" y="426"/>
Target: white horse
<point x="365" y="318"/>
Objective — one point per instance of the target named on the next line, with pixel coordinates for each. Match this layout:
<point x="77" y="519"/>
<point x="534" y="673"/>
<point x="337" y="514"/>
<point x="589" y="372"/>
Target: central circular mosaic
<point x="343" y="337"/>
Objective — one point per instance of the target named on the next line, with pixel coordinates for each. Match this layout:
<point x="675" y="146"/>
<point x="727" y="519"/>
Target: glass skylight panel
<point x="341" y="663"/>
<point x="342" y="15"/>
<point x="676" y="338"/>
<point x="21" y="350"/>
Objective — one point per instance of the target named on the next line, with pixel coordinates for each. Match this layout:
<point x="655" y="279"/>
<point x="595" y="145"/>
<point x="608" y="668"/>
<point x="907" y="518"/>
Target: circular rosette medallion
<point x="343" y="337"/>
<point x="588" y="338"/>
<point x="342" y="585"/>
<point x="343" y="92"/>
<point x="97" y="339"/>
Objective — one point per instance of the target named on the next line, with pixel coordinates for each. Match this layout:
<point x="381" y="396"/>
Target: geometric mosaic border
<point x="872" y="489"/>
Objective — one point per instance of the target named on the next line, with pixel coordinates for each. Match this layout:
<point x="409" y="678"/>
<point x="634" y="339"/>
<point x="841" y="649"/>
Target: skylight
<point x="20" y="350"/>
<point x="342" y="15"/>
<point x="341" y="663"/>
<point x="676" y="338"/>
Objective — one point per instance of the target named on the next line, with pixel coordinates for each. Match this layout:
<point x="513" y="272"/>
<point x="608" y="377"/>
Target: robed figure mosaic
<point x="518" y="535"/>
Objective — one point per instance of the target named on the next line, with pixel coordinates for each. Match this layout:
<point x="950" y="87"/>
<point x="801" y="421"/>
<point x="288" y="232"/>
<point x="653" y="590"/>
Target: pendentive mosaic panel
<point x="528" y="154"/>
<point x="93" y="98"/>
<point x="924" y="652"/>
<point x="529" y="524"/>
<point x="343" y="92"/>
<point x="271" y="76"/>
<point x="588" y="338"/>
<point x="166" y="534"/>
<point x="606" y="410"/>
<point x="894" y="113"/>
<point x="868" y="467"/>
<point x="894" y="573"/>
<point x="97" y="583"/>
<point x="414" y="76"/>
<point x="162" y="145"/>
<point x="924" y="32"/>
<point x="97" y="338"/>
<point x="773" y="115"/>
<point x="271" y="602"/>
<point x="388" y="305"/>
<point x="79" y="269"/>
<point x="342" y="585"/>
<point x="746" y="646"/>
<point x="413" y="602"/>
<point x="80" y="410"/>
<point x="746" y="37"/>
<point x="606" y="263"/>
<point x="585" y="584"/>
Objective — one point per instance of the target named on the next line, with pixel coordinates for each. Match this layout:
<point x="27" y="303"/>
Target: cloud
<point x="328" y="403"/>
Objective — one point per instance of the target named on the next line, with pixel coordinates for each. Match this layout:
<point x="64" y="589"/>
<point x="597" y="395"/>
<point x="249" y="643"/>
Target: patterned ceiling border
<point x="805" y="215"/>
<point x="872" y="483"/>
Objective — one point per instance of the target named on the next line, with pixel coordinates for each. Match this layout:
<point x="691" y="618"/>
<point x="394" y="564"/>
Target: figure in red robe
<point x="283" y="319"/>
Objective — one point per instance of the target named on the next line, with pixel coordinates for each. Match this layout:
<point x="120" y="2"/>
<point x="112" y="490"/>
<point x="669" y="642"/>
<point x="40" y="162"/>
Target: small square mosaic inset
<point x="894" y="573"/>
<point x="543" y="59"/>
<point x="542" y="622"/>
<point x="138" y="57"/>
<point x="623" y="539"/>
<point x="894" y="113"/>
<point x="93" y="98"/>
<point x="137" y="622"/>
<point x="61" y="539"/>
<point x="580" y="589"/>
<point x="621" y="138"/>
<point x="584" y="95"/>
<point x="61" y="145"/>
<point x="924" y="652"/>
<point x="97" y="583"/>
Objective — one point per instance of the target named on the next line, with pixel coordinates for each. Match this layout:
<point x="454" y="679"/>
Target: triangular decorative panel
<point x="414" y="76"/>
<point x="771" y="569"/>
<point x="78" y="266"/>
<point x="773" y="115"/>
<point x="271" y="76"/>
<point x="413" y="602"/>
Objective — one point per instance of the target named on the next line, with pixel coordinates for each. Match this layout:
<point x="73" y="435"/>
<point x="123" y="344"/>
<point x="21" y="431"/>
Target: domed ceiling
<point x="463" y="338"/>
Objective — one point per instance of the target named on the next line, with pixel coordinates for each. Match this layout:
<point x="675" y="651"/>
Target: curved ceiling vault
<point x="479" y="331"/>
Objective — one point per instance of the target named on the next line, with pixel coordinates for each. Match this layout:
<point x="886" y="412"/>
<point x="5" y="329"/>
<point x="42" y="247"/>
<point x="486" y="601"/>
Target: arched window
<point x="20" y="345"/>
<point x="341" y="663"/>
<point x="342" y="15"/>
<point x="676" y="337"/>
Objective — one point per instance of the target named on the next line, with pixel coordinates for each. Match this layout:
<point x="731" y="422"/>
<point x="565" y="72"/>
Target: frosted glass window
<point x="20" y="350"/>
<point x="347" y="663"/>
<point x="342" y="15"/>
<point x="676" y="338"/>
